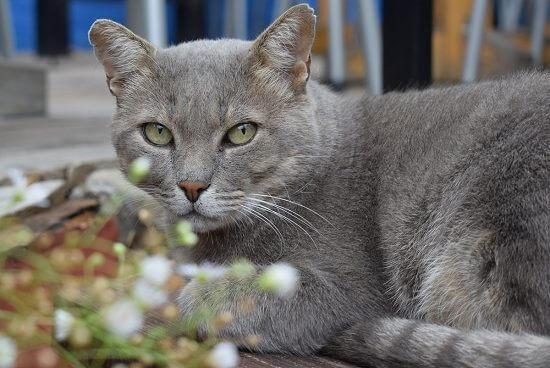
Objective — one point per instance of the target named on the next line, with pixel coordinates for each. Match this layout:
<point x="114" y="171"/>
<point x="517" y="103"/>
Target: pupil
<point x="242" y="128"/>
<point x="159" y="129"/>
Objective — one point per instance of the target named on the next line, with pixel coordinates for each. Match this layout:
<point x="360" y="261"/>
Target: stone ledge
<point x="22" y="89"/>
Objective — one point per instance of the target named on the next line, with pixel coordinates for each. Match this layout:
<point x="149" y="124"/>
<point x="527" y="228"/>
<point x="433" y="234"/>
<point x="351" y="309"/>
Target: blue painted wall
<point x="83" y="12"/>
<point x="24" y="23"/>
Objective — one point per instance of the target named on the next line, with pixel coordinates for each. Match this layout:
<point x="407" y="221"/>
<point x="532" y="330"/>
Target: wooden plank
<point x="275" y="361"/>
<point x="450" y="18"/>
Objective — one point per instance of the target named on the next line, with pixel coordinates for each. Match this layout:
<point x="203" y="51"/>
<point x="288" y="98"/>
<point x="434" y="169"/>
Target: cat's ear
<point x="121" y="52"/>
<point x="283" y="51"/>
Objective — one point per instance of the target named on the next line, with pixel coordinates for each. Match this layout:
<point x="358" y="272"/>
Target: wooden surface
<point x="273" y="361"/>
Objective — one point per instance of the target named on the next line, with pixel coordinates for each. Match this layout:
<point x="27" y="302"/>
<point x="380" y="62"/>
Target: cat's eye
<point x="241" y="133"/>
<point x="157" y="134"/>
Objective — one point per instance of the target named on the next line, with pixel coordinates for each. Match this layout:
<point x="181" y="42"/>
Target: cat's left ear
<point x="282" y="53"/>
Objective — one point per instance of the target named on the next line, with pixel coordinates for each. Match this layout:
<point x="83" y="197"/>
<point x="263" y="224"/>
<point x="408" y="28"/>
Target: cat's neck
<point x="339" y="117"/>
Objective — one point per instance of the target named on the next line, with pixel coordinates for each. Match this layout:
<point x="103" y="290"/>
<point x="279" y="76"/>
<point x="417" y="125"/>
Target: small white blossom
<point x="120" y="365"/>
<point x="8" y="352"/>
<point x="139" y="169"/>
<point x="188" y="270"/>
<point x="279" y="278"/>
<point x="185" y="234"/>
<point x="156" y="269"/>
<point x="205" y="272"/>
<point x="38" y="194"/>
<point x="123" y="318"/>
<point x="63" y="324"/>
<point x="150" y="296"/>
<point x="224" y="355"/>
<point x="17" y="177"/>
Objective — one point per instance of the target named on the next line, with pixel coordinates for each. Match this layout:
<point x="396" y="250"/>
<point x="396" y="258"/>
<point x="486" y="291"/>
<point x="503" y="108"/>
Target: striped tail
<point x="396" y="343"/>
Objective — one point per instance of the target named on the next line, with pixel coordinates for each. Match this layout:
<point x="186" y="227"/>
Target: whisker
<point x="245" y="215"/>
<point x="265" y="220"/>
<point x="292" y="213"/>
<point x="295" y="203"/>
<point x="283" y="217"/>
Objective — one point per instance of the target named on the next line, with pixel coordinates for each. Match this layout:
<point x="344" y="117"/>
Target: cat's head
<point x="224" y="123"/>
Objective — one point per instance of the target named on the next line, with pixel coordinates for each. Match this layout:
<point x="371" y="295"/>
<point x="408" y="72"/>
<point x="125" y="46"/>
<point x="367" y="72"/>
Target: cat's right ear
<point x="121" y="52"/>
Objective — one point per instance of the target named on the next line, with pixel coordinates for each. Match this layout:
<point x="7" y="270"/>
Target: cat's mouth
<point x="212" y="211"/>
<point x="194" y="213"/>
<point x="200" y="222"/>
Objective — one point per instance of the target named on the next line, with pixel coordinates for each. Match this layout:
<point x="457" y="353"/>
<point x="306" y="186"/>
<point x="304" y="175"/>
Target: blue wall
<point x="82" y="13"/>
<point x="24" y="23"/>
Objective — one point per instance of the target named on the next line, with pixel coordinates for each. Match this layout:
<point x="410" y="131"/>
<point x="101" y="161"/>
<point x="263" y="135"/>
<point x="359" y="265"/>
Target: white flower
<point x="17" y="177"/>
<point x="188" y="270"/>
<point x="139" y="169"/>
<point x="156" y="269"/>
<point x="38" y="194"/>
<point x="279" y="278"/>
<point x="185" y="234"/>
<point x="224" y="355"/>
<point x="63" y="323"/>
<point x="151" y="296"/>
<point x="123" y="318"/>
<point x="8" y="352"/>
<point x="35" y="193"/>
<point x="204" y="272"/>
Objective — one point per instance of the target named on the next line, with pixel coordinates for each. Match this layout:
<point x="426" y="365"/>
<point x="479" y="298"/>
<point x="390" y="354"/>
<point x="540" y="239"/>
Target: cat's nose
<point x="193" y="189"/>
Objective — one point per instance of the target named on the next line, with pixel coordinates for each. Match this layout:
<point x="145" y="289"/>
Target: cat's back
<point x="421" y="135"/>
<point x="425" y="123"/>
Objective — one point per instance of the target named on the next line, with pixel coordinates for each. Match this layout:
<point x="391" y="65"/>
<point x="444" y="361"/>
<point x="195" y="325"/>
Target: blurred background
<point x="55" y="108"/>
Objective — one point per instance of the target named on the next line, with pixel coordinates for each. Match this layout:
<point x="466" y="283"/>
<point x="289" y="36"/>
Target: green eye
<point x="157" y="134"/>
<point x="241" y="133"/>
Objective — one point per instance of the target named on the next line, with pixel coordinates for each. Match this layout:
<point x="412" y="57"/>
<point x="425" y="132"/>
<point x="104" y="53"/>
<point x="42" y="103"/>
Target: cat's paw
<point x="211" y="310"/>
<point x="194" y="308"/>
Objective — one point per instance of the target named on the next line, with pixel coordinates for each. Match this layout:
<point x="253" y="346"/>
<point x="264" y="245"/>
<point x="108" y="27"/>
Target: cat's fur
<point x="429" y="243"/>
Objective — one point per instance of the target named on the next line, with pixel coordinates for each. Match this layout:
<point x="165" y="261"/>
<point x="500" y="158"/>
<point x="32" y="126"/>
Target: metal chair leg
<point x="537" y="31"/>
<point x="372" y="50"/>
<point x="239" y="19"/>
<point x="6" y="43"/>
<point x="336" y="51"/>
<point x="148" y="19"/>
<point x="508" y="14"/>
<point x="475" y="36"/>
<point x="280" y="6"/>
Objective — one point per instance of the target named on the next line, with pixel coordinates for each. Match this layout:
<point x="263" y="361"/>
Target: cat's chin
<point x="201" y="223"/>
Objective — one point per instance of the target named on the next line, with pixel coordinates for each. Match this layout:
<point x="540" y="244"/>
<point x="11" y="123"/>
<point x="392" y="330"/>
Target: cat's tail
<point x="394" y="342"/>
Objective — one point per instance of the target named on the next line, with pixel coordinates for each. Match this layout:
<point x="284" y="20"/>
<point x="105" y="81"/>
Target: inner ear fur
<point x="283" y="51"/>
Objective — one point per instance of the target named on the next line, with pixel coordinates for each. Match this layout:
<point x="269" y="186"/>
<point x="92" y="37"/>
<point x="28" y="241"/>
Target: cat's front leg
<point x="299" y="323"/>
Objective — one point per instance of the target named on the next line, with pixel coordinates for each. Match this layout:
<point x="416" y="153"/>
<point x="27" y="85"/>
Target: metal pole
<point x="537" y="32"/>
<point x="371" y="37"/>
<point x="239" y="19"/>
<point x="148" y="19"/>
<point x="5" y="29"/>
<point x="336" y="52"/>
<point x="475" y="35"/>
<point x="508" y="14"/>
<point x="280" y="6"/>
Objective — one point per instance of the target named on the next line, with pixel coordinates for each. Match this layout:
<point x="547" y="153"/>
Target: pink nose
<point x="193" y="189"/>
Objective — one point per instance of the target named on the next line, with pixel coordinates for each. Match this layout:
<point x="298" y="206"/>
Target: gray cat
<point x="419" y="221"/>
